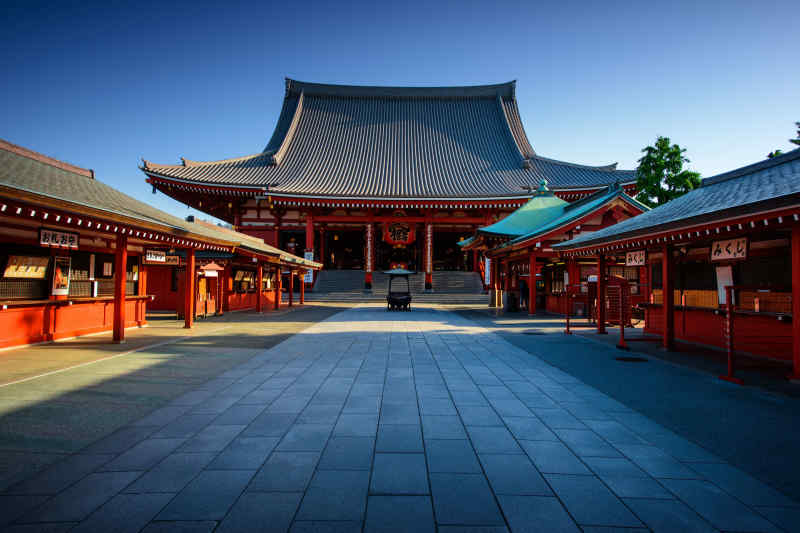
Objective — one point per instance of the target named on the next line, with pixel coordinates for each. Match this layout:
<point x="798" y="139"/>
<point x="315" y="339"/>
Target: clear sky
<point x="104" y="84"/>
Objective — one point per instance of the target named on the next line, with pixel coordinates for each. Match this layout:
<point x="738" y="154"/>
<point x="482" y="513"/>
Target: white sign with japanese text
<point x="59" y="239"/>
<point x="155" y="256"/>
<point x="729" y="249"/>
<point x="309" y="275"/>
<point x="635" y="258"/>
<point x="487" y="272"/>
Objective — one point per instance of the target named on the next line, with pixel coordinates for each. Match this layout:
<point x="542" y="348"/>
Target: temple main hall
<point x="371" y="178"/>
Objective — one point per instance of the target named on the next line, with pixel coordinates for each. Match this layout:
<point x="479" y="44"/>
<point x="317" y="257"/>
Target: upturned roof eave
<point x="687" y="224"/>
<point x="57" y="202"/>
<point x="278" y="193"/>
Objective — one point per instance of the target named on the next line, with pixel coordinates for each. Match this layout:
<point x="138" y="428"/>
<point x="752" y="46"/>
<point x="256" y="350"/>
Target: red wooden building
<point x="228" y="280"/>
<point x="736" y="240"/>
<point x="372" y="178"/>
<point x="528" y="274"/>
<point x="76" y="253"/>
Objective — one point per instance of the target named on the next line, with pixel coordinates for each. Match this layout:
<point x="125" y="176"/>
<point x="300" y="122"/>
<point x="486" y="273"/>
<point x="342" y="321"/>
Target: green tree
<point x="796" y="141"/>
<point x="661" y="176"/>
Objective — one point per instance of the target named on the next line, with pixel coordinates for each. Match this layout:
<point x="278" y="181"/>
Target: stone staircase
<point x="449" y="287"/>
<point x="341" y="286"/>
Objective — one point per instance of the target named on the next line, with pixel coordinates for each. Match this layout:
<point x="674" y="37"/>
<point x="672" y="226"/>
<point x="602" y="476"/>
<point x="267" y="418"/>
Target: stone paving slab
<point x="376" y="421"/>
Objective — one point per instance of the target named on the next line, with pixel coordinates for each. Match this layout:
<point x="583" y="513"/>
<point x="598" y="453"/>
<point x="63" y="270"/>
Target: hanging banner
<point x="61" y="268"/>
<point x="729" y="249"/>
<point x="428" y="248"/>
<point x="398" y="233"/>
<point x="370" y="238"/>
<point x="635" y="258"/>
<point x="487" y="271"/>
<point x="309" y="275"/>
<point x="58" y="239"/>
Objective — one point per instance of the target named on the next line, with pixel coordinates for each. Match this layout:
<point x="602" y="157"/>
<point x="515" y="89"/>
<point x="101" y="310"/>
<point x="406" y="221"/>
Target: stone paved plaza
<point x="375" y="421"/>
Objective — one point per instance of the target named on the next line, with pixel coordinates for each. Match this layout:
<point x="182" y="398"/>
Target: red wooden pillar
<point x="227" y="287"/>
<point x="291" y="288"/>
<point x="189" y="290"/>
<point x="221" y="290"/>
<point x="309" y="232"/>
<point x="601" y="294"/>
<point x="532" y="284"/>
<point x="302" y="290"/>
<point x="322" y="246"/>
<point x="120" y="277"/>
<point x="259" y="285"/>
<point x="369" y="246"/>
<point x="278" y="287"/>
<point x="506" y="283"/>
<point x="141" y="306"/>
<point x="668" y="297"/>
<point x="795" y="302"/>
<point x="574" y="275"/>
<point x="428" y="256"/>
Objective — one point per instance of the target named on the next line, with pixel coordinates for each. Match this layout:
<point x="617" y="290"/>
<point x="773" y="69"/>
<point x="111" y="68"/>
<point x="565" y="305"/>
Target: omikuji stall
<point x="724" y="261"/>
<point x="72" y="250"/>
<point x="75" y="253"/>
<point x="228" y="281"/>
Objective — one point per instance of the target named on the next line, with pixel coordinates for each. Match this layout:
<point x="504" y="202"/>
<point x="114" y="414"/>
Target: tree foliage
<point x="661" y="176"/>
<point x="797" y="140"/>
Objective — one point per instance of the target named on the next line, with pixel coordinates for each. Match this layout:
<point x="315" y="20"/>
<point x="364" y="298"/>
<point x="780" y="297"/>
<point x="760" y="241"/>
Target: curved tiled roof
<point x="23" y="170"/>
<point x="763" y="186"/>
<point x="540" y="209"/>
<point x="395" y="142"/>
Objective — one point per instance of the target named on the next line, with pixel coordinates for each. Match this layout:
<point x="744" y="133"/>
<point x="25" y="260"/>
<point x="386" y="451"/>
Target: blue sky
<point x="103" y="84"/>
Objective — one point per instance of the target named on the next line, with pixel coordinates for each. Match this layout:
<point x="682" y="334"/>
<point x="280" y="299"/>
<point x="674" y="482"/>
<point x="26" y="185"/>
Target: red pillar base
<point x="368" y="280"/>
<point x="732" y="379"/>
<point x="428" y="281"/>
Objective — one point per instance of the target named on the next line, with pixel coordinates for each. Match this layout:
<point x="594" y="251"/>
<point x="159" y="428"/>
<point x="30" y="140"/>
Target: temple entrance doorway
<point x="344" y="249"/>
<point x="447" y="254"/>
<point x="389" y="256"/>
<point x="293" y="242"/>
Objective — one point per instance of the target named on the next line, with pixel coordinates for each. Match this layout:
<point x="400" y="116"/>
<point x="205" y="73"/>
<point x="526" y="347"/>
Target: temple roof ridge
<point x="52" y="161"/>
<point x="611" y="167"/>
<point x="187" y="163"/>
<point x="505" y="90"/>
<point x="348" y="141"/>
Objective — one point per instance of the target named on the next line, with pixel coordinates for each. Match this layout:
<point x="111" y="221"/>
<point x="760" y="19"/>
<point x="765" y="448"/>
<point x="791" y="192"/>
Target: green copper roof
<point x="545" y="213"/>
<point x="539" y="210"/>
<point x="580" y="209"/>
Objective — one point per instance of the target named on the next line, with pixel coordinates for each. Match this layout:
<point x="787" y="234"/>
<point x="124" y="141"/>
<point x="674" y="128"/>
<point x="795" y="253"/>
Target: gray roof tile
<point x="762" y="186"/>
<point x="24" y="170"/>
<point x="396" y="142"/>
